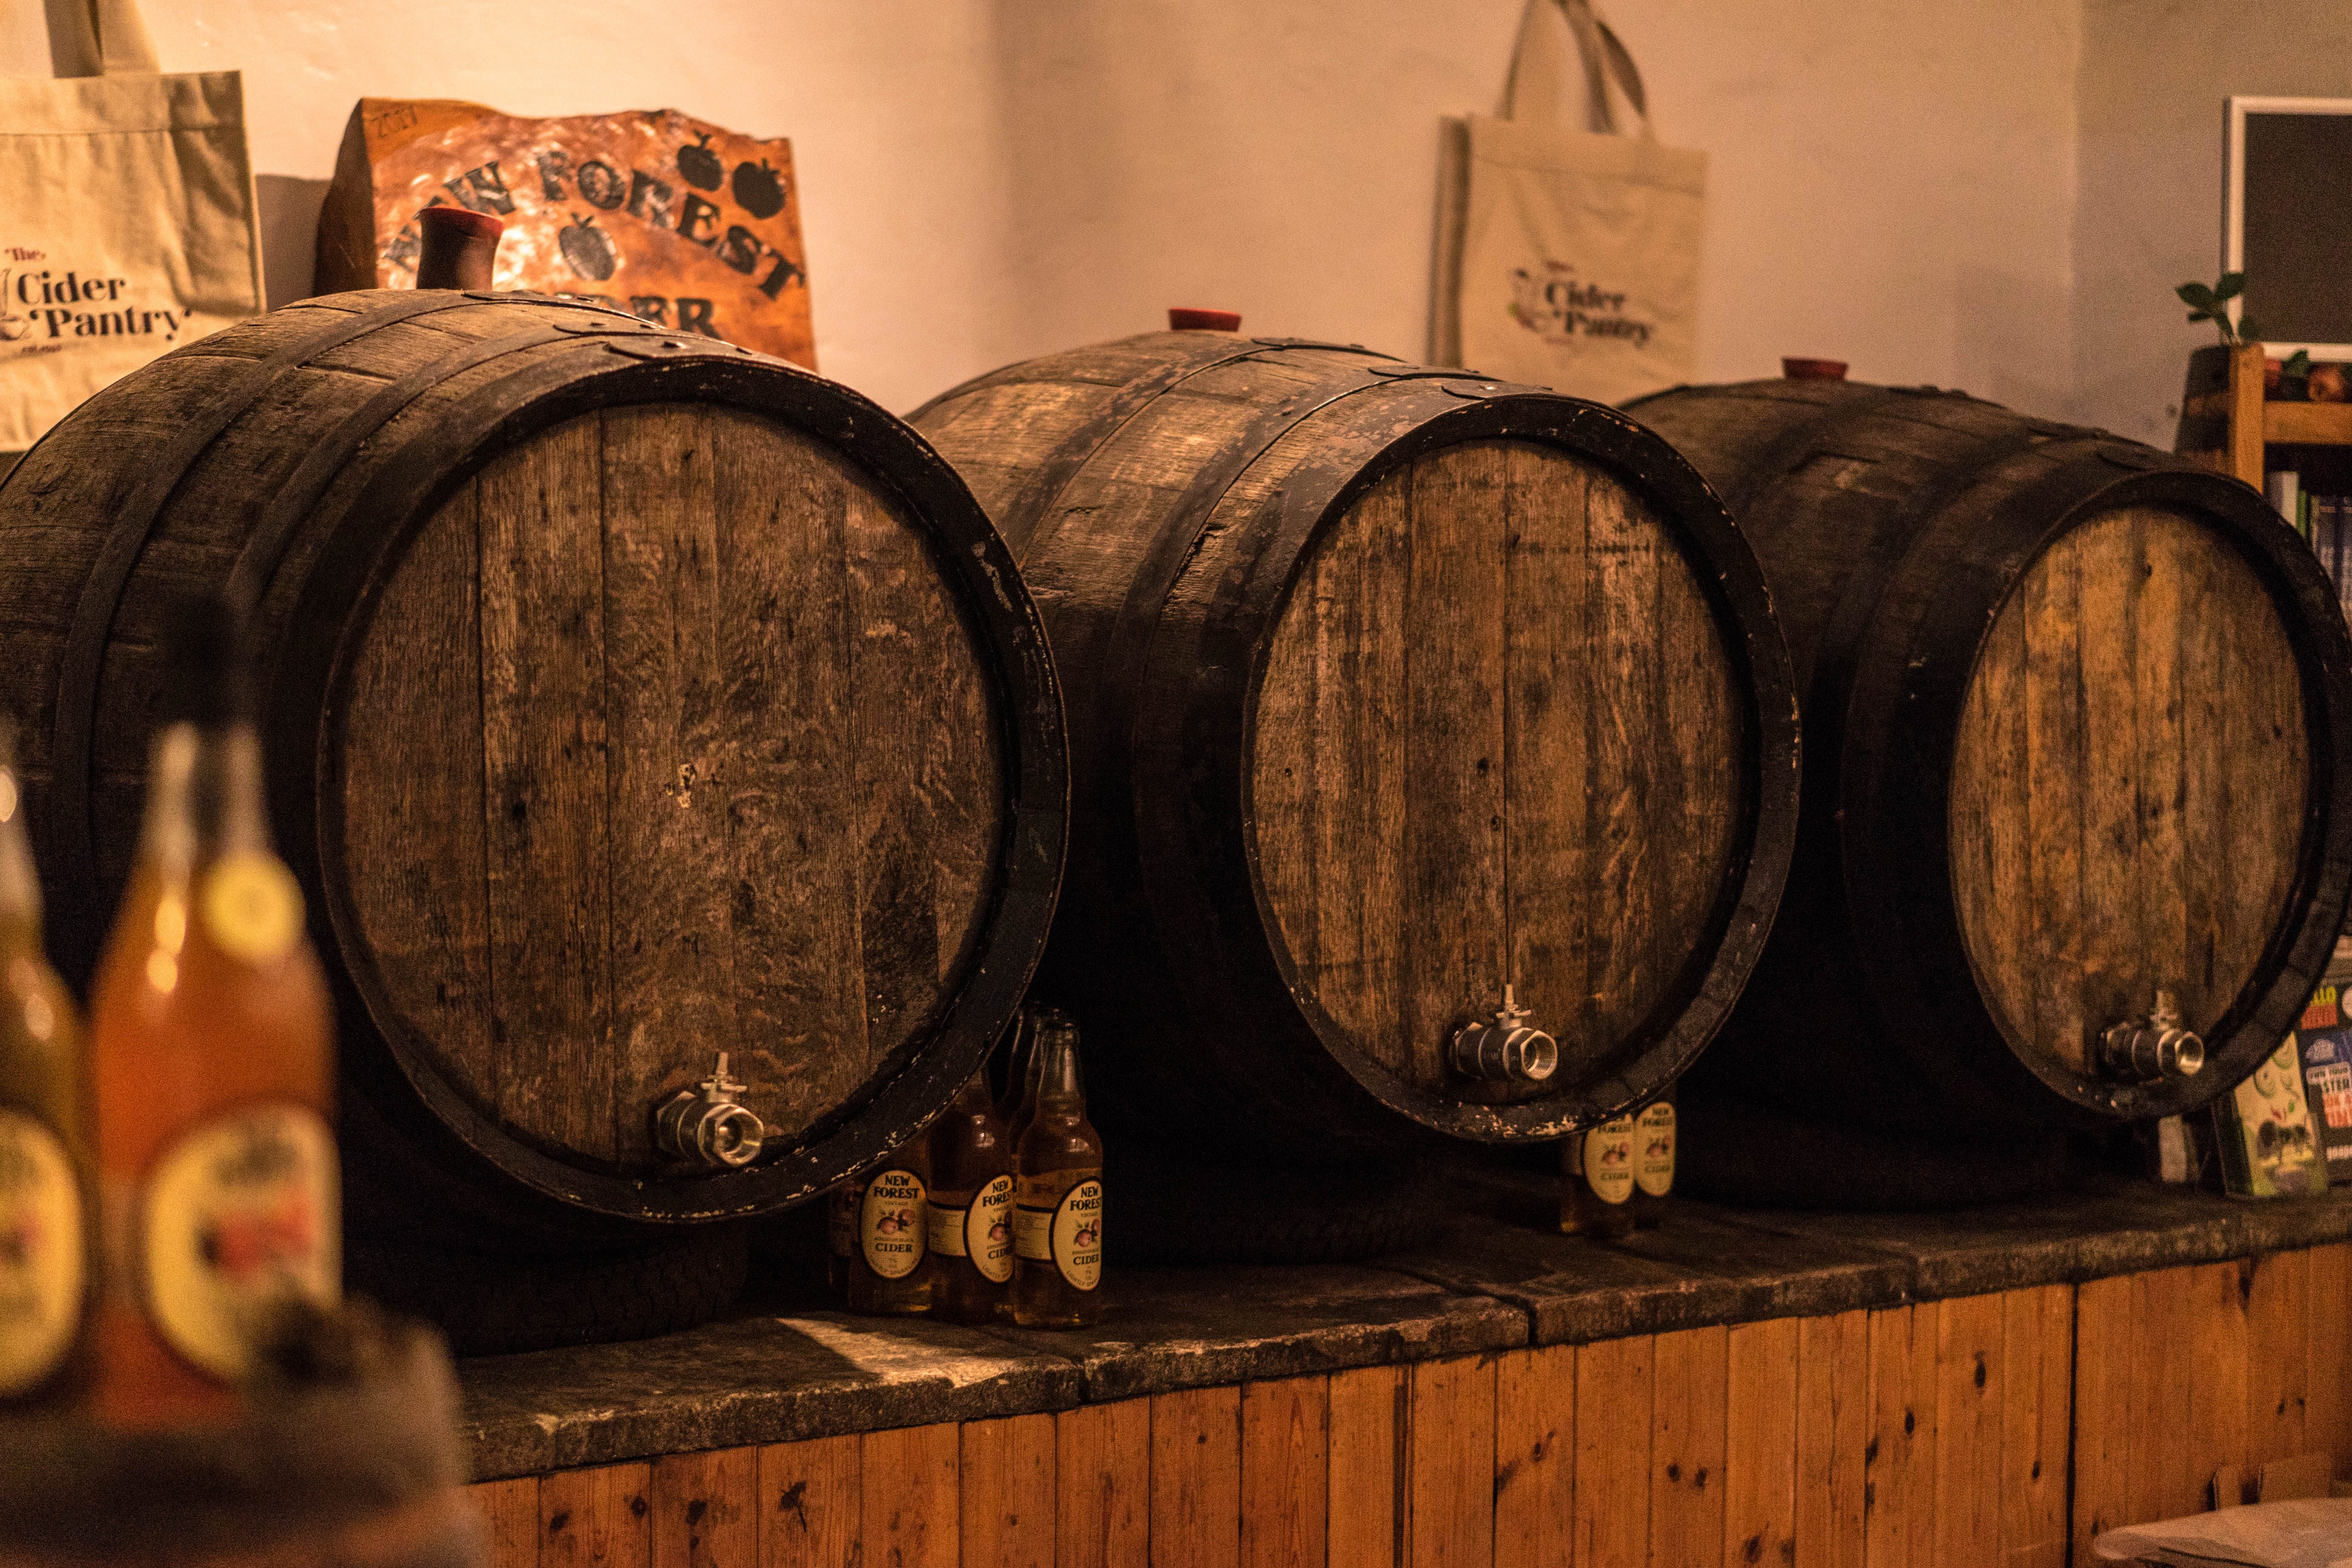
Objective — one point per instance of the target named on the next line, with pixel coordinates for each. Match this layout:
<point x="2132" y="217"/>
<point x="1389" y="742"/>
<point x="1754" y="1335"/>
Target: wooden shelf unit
<point x="2229" y="426"/>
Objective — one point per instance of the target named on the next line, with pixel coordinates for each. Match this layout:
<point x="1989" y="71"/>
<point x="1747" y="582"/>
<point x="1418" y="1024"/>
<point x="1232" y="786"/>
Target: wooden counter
<point x="1736" y="1388"/>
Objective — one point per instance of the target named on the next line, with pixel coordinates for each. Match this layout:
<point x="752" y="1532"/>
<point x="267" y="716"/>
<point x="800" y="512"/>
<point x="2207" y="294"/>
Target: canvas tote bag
<point x="1566" y="257"/>
<point x="126" y="218"/>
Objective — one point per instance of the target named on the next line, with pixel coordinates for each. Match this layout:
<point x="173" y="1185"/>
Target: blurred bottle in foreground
<point x="45" y="1182"/>
<point x="211" y="1052"/>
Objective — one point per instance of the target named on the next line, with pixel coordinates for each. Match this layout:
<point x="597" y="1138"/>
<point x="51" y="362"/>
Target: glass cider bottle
<point x="1058" y="1194"/>
<point x="971" y="1208"/>
<point x="1596" y="1189"/>
<point x="45" y="1174"/>
<point x="1653" y="1159"/>
<point x="886" y="1276"/>
<point x="213" y="1057"/>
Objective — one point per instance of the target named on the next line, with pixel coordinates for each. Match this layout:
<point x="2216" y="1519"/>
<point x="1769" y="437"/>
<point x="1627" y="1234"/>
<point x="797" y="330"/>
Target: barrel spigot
<point x="1507" y="1050"/>
<point x="709" y="1126"/>
<point x="2159" y="1045"/>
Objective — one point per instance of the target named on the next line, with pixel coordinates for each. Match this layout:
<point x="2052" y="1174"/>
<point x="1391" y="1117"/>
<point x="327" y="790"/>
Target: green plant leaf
<point x="2298" y="363"/>
<point x="2231" y="285"/>
<point x="2196" y="294"/>
<point x="2247" y="331"/>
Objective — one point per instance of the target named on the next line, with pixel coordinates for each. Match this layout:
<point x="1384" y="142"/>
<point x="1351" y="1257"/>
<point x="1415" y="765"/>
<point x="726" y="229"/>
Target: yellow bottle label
<point x="1653" y="1150"/>
<point x="945" y="1229"/>
<point x="1077" y="1236"/>
<point x="252" y="907"/>
<point x="238" y="1219"/>
<point x="890" y="1224"/>
<point x="1609" y="1160"/>
<point x="988" y="1231"/>
<point x="44" y="1255"/>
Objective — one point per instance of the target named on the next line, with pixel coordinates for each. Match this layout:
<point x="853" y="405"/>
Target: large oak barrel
<point x="2076" y="721"/>
<point x="1391" y="691"/>
<point x="628" y="698"/>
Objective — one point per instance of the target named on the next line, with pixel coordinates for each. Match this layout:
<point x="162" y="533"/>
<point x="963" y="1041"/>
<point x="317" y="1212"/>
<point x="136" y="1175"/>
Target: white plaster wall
<point x="2149" y="217"/>
<point x="1891" y="180"/>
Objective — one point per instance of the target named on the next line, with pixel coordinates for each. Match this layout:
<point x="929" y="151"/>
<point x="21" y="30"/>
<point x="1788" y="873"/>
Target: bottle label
<point x="44" y="1256"/>
<point x="252" y="907"/>
<point x="841" y="1221"/>
<point x="1077" y="1236"/>
<point x="1040" y="1199"/>
<point x="945" y="1231"/>
<point x="1609" y="1160"/>
<point x="1653" y="1150"/>
<point x="890" y="1224"/>
<point x="240" y="1218"/>
<point x="987" y="1236"/>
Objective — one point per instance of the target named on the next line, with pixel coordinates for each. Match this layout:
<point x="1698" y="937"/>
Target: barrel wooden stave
<point x="1175" y="546"/>
<point x="1939" y="957"/>
<point x="873" y="905"/>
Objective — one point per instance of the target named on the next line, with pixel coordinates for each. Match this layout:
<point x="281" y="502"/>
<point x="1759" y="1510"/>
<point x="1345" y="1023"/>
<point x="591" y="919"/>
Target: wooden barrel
<point x="628" y="698"/>
<point x="2076" y="721"/>
<point x="1390" y="688"/>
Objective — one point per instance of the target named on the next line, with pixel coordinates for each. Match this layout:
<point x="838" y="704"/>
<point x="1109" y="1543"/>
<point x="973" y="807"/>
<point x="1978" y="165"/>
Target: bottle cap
<point x="207" y="669"/>
<point x="1184" y="319"/>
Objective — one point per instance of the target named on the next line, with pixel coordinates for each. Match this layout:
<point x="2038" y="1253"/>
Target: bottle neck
<point x="203" y="796"/>
<point x="20" y="886"/>
<point x="1060" y="1093"/>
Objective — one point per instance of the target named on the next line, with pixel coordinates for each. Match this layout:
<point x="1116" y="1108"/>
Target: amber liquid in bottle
<point x="970" y="1209"/>
<point x="1058" y="1194"/>
<point x="1654" y="1160"/>
<point x="886" y="1277"/>
<point x="213" y="1056"/>
<point x="1596" y="1190"/>
<point x="45" y="1208"/>
<point x="841" y="1235"/>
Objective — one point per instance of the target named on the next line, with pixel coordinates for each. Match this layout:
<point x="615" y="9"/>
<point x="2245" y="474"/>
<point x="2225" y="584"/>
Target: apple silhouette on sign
<point x="587" y="250"/>
<point x="758" y="190"/>
<point x="700" y="165"/>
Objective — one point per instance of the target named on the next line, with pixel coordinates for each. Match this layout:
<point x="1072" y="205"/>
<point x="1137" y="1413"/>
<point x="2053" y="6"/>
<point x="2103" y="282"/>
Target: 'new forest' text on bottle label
<point x="1609" y="1160"/>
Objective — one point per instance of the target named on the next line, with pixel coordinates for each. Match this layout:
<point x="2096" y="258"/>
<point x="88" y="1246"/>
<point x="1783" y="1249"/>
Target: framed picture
<point x="2286" y="219"/>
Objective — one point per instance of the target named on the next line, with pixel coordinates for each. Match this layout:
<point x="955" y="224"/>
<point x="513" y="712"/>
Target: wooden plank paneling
<point x="1687" y="1411"/>
<point x="1611" y="1508"/>
<point x="1535" y="1456"/>
<point x="1102" y="1484"/>
<point x="601" y="1518"/>
<point x="1970" y="1403"/>
<point x="1196" y="1484"/>
<point x="908" y="1497"/>
<point x="510" y="1511"/>
<point x="2036" y="1427"/>
<point x="2327" y="1411"/>
<point x="1286" y="1471"/>
<point x="1007" y="1480"/>
<point x="1450" y="1495"/>
<point x="1370" y="1425"/>
<point x="1760" y="1447"/>
<point x="1899" y="1458"/>
<point x="810" y="1512"/>
<point x="706" y="1510"/>
<point x="2278" y="1357"/>
<point x="1833" y="1424"/>
<point x="2106" y="1316"/>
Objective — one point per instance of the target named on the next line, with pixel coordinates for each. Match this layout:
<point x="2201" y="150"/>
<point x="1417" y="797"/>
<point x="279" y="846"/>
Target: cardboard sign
<point x="681" y="222"/>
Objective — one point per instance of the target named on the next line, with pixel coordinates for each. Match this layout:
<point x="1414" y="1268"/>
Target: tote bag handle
<point x="111" y="39"/>
<point x="1539" y="69"/>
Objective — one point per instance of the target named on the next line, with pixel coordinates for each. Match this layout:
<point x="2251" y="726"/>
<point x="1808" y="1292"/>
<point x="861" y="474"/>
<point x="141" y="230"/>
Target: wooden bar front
<point x="2001" y="1427"/>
